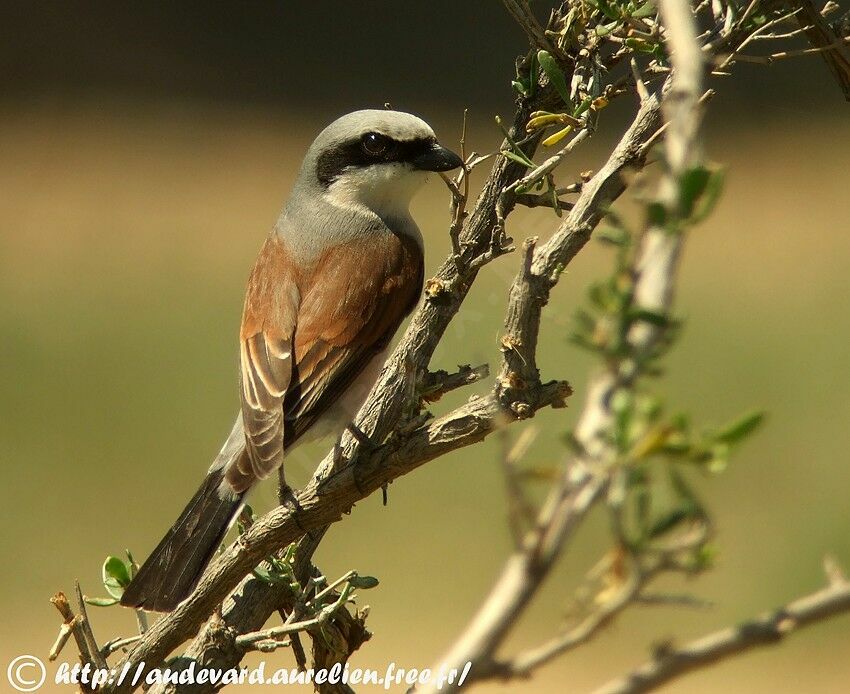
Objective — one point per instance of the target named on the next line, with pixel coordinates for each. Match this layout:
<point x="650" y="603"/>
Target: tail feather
<point x="173" y="569"/>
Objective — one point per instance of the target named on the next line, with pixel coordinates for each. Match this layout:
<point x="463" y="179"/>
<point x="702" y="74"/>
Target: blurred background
<point x="145" y="150"/>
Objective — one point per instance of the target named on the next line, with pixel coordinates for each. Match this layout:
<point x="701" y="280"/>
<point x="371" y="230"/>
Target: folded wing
<point x="307" y="334"/>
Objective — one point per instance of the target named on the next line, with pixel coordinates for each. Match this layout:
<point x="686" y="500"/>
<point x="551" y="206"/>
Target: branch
<point x="835" y="51"/>
<point x="586" y="476"/>
<point x="766" y="630"/>
<point x="522" y="14"/>
<point x="436" y="384"/>
<point x="322" y="502"/>
<point x="579" y="487"/>
<point x="248" y="607"/>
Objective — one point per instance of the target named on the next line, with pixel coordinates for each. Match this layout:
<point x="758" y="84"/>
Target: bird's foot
<point x="286" y="497"/>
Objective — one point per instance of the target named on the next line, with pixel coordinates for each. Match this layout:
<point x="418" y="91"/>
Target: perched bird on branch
<point x="339" y="272"/>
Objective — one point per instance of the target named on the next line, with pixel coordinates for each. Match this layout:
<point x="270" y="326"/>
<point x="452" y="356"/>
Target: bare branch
<point x="96" y="658"/>
<point x="523" y="16"/>
<point x="579" y="487"/>
<point x="767" y="630"/>
<point x="583" y="485"/>
<point x="436" y="384"/>
<point x="60" y="602"/>
<point x="835" y="52"/>
<point x="65" y="632"/>
<point x="520" y="510"/>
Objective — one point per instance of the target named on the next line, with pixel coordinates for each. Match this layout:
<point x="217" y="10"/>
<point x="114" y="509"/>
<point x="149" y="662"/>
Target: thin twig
<point x="117" y="644"/>
<point x="97" y="659"/>
<point x="65" y="632"/>
<point x="769" y="629"/>
<point x="60" y="602"/>
<point x="435" y="384"/>
<point x="520" y="510"/>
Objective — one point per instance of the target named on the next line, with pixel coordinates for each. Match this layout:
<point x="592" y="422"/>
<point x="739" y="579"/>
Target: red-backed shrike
<point x="340" y="270"/>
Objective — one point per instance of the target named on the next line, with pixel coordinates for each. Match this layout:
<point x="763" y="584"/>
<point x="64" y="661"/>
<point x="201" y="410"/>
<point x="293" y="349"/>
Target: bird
<point x="341" y="269"/>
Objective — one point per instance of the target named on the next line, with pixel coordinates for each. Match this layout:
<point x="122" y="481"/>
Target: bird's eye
<point x="375" y="144"/>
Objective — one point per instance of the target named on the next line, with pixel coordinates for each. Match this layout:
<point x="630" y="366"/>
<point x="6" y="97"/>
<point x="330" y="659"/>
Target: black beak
<point x="436" y="158"/>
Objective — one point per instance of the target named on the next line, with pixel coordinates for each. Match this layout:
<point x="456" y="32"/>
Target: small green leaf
<point x="605" y="29"/>
<point x="709" y="198"/>
<point x="689" y="501"/>
<point x="113" y="567"/>
<point x="363" y="582"/>
<point x="102" y="602"/>
<point x="640" y="45"/>
<point x="740" y="429"/>
<point x="518" y="159"/>
<point x="656" y="214"/>
<point x="646" y="10"/>
<point x="652" y="317"/>
<point x="583" y="342"/>
<point x="116" y="576"/>
<point x="585" y="321"/>
<point x="704" y="557"/>
<point x="692" y="185"/>
<point x="532" y="75"/>
<point x="582" y="107"/>
<point x="615" y="237"/>
<point x="668" y="521"/>
<point x="610" y="11"/>
<point x="555" y="75"/>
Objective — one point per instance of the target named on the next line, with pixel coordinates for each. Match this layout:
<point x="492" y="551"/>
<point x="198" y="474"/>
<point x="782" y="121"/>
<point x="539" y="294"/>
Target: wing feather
<point x="268" y="326"/>
<point x="306" y="335"/>
<point x="343" y="324"/>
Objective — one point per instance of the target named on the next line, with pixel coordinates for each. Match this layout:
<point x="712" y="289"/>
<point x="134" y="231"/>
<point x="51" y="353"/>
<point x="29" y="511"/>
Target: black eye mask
<point x="371" y="148"/>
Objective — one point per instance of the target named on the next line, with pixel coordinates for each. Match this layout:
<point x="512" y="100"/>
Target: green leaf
<point x="669" y="520"/>
<point x="688" y="499"/>
<point x="652" y="317"/>
<point x="582" y="107"/>
<point x="704" y="557"/>
<point x="692" y="185"/>
<point x="646" y="10"/>
<point x="363" y="582"/>
<point x="656" y="214"/>
<point x="113" y="567"/>
<point x="532" y="75"/>
<point x="518" y="159"/>
<point x="615" y="237"/>
<point x="585" y="320"/>
<point x="116" y="576"/>
<point x="642" y="46"/>
<point x="605" y="29"/>
<point x="740" y="429"/>
<point x="610" y="11"/>
<point x="707" y="201"/>
<point x="555" y="75"/>
<point x="102" y="602"/>
<point x="582" y="341"/>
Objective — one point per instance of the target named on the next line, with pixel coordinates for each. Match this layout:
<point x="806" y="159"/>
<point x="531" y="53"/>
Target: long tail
<point x="173" y="569"/>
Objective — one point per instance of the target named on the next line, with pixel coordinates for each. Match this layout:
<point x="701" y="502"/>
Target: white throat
<point x="383" y="189"/>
